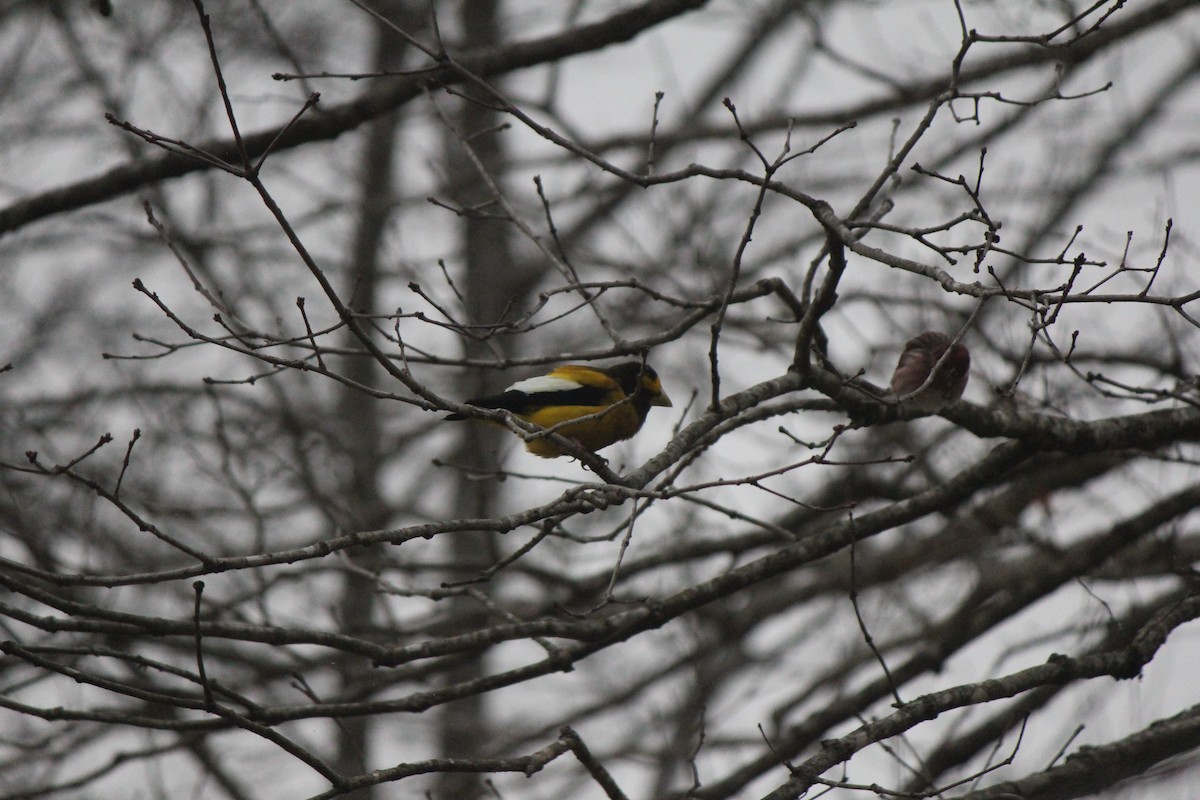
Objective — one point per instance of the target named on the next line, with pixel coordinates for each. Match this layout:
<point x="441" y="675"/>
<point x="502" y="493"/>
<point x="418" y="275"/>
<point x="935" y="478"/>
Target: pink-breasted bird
<point x="921" y="354"/>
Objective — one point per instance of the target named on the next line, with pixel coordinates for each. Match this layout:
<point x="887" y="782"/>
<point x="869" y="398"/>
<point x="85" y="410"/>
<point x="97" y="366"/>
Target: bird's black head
<point x="639" y="381"/>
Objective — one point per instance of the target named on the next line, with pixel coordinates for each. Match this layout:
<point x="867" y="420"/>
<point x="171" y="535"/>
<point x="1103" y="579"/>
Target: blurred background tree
<point x="244" y="557"/>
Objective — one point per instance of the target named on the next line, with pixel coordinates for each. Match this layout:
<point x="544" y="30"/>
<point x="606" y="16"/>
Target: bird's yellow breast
<point x="616" y="423"/>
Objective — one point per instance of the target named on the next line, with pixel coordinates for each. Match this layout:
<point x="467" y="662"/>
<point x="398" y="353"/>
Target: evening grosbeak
<point x="921" y="354"/>
<point x="617" y="399"/>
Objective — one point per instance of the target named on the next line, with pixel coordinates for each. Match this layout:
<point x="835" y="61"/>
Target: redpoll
<point x="921" y="354"/>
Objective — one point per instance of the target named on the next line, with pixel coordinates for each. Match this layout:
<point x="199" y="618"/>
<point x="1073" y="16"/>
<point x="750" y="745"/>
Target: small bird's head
<point x="639" y="380"/>
<point x="957" y="366"/>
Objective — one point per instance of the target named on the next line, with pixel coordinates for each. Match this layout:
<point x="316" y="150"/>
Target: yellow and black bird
<point x="615" y="399"/>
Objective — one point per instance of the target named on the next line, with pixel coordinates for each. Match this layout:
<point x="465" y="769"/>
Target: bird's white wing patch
<point x="544" y="383"/>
